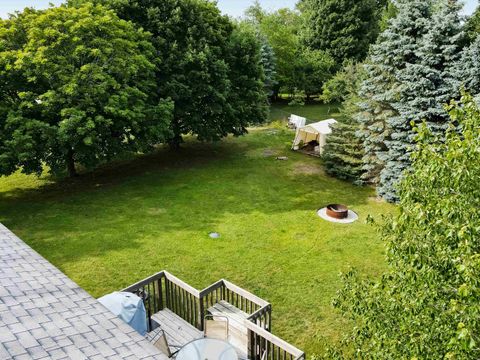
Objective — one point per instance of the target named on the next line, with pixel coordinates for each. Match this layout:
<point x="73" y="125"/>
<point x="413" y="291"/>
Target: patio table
<point x="207" y="349"/>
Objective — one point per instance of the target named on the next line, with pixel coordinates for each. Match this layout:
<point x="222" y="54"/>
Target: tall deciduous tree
<point x="77" y="89"/>
<point x="247" y="95"/>
<point x="312" y="69"/>
<point x="281" y="30"/>
<point x="390" y="11"/>
<point x="344" y="28"/>
<point x="192" y="40"/>
<point x="427" y="304"/>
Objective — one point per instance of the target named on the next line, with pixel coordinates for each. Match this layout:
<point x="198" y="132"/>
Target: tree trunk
<point x="175" y="142"/>
<point x="72" y="171"/>
<point x="177" y="139"/>
<point x="275" y="93"/>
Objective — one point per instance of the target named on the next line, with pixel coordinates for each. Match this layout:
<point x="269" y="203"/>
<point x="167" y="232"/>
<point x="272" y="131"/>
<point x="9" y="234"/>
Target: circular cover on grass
<point x="352" y="217"/>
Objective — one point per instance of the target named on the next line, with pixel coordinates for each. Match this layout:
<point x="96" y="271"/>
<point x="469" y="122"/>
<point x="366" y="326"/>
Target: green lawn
<point x="122" y="223"/>
<point x="313" y="113"/>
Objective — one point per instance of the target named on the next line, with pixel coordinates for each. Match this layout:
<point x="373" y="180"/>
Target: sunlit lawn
<point x="313" y="113"/>
<point x="122" y="223"/>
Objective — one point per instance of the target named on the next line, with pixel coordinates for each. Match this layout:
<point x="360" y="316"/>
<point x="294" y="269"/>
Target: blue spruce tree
<point x="467" y="70"/>
<point x="343" y="152"/>
<point x="395" y="48"/>
<point x="423" y="84"/>
<point x="269" y="65"/>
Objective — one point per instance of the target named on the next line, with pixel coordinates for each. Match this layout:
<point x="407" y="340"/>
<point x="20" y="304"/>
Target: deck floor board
<point x="178" y="331"/>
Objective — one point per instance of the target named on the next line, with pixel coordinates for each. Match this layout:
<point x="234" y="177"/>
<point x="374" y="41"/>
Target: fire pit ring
<point x="337" y="211"/>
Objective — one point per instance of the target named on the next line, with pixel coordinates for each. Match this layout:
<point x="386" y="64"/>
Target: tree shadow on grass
<point x="115" y="207"/>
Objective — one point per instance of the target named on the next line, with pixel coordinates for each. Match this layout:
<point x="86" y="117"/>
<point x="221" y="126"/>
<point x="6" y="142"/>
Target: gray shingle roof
<point x="45" y="315"/>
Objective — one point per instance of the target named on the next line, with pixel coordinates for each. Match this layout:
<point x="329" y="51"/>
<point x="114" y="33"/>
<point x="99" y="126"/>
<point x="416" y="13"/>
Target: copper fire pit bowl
<point x="337" y="211"/>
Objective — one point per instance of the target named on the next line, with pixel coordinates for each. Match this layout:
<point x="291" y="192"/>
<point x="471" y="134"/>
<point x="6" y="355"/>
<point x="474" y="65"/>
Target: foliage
<point x="344" y="28"/>
<point x="433" y="256"/>
<point x="76" y="88"/>
<point x="472" y="26"/>
<point x="269" y="64"/>
<point x="297" y="98"/>
<point x="255" y="13"/>
<point x="312" y="69"/>
<point x="281" y="30"/>
<point x="247" y="96"/>
<point x="395" y="47"/>
<point x="343" y="153"/>
<point x="390" y="11"/>
<point x="466" y="72"/>
<point x="424" y="86"/>
<point x="192" y="40"/>
<point x="342" y="84"/>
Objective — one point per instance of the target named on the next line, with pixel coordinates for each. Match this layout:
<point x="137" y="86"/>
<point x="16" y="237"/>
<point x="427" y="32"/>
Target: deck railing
<point x="165" y="291"/>
<point x="183" y="300"/>
<point x="152" y="291"/>
<point x="260" y="341"/>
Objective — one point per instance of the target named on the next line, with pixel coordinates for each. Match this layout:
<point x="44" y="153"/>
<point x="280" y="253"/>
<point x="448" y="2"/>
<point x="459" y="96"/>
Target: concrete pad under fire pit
<point x="352" y="217"/>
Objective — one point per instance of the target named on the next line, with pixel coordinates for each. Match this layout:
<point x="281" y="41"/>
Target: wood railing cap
<point x="182" y="284"/>
<point x="273" y="339"/>
<point x="145" y="281"/>
<point x="246" y="294"/>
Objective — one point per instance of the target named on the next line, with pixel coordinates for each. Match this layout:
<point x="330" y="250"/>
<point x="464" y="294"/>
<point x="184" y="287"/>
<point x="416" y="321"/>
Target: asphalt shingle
<point x="45" y="315"/>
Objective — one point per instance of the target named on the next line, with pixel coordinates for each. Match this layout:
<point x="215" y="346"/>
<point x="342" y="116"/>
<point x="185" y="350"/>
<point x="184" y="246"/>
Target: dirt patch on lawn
<point x="156" y="211"/>
<point x="308" y="169"/>
<point x="265" y="153"/>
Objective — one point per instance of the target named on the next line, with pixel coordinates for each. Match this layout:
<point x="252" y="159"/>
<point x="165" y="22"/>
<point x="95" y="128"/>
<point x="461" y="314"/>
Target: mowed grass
<point x="313" y="112"/>
<point x="122" y="223"/>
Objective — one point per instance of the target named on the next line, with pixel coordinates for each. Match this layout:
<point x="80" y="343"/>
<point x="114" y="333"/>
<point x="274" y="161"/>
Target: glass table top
<point x="207" y="349"/>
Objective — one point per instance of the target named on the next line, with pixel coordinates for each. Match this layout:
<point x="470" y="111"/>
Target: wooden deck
<point x="238" y="332"/>
<point x="181" y="311"/>
<point x="178" y="331"/>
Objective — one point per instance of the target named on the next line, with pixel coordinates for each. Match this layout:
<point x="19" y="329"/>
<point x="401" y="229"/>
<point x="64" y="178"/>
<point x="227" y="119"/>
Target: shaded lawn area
<point x="124" y="222"/>
<point x="313" y="112"/>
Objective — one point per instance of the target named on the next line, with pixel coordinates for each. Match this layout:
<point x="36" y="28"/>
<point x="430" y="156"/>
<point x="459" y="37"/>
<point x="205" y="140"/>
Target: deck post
<point x="202" y="314"/>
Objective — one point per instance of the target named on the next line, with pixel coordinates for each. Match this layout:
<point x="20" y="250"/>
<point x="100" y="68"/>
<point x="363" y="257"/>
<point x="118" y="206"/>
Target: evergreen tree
<point x="395" y="47"/>
<point x="424" y="88"/>
<point x="466" y="73"/>
<point x="343" y="152"/>
<point x="344" y="28"/>
<point x="472" y="26"/>
<point x="426" y="305"/>
<point x="269" y="65"/>
<point x="342" y="84"/>
<point x="374" y="112"/>
<point x="281" y="30"/>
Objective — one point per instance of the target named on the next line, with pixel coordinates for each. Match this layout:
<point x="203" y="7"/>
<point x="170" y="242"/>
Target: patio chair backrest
<point x="217" y="327"/>
<point x="159" y="340"/>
